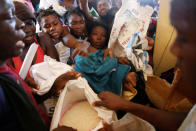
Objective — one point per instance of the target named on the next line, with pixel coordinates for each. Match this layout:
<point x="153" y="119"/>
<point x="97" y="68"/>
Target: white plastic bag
<point x="45" y="73"/>
<point x="130" y="19"/>
<point x="132" y="123"/>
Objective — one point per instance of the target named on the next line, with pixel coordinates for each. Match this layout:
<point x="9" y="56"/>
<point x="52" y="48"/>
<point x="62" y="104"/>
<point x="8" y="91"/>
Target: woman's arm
<point x="162" y="120"/>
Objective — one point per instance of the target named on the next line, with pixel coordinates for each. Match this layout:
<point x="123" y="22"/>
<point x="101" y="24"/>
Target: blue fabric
<point x="102" y="75"/>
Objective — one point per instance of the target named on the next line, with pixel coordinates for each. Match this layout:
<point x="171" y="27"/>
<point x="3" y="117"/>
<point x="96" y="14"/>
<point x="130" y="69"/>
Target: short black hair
<point x="73" y="11"/>
<point x="110" y="1"/>
<point x="46" y="12"/>
<point x="99" y="24"/>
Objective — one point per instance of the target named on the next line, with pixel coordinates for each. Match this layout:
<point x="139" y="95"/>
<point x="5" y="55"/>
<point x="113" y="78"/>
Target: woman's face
<point x="52" y="26"/>
<point x="98" y="37"/>
<point x="77" y="25"/>
<point x="29" y="30"/>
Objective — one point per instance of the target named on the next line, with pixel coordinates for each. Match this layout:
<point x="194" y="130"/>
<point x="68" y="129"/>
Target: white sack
<point x="77" y="90"/>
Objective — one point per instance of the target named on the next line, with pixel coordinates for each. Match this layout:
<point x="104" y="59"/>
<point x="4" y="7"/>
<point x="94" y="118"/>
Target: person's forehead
<point x="99" y="29"/>
<point x="49" y="19"/>
<point x="76" y="17"/>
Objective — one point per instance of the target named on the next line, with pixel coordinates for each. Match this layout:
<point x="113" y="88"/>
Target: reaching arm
<point x="58" y="85"/>
<point x="84" y="7"/>
<point x="162" y="120"/>
<point x="69" y="40"/>
<point x="47" y="45"/>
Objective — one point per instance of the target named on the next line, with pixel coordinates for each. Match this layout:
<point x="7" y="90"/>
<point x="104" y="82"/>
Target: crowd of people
<point x="71" y="31"/>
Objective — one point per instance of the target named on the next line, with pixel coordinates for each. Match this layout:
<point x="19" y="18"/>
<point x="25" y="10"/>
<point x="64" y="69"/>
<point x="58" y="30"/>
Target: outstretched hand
<point x="31" y="82"/>
<point x="82" y="3"/>
<point x="80" y="51"/>
<point x="108" y="52"/>
<point x="123" y="60"/>
<point x="111" y="101"/>
<point x="60" y="82"/>
<point x="131" y="78"/>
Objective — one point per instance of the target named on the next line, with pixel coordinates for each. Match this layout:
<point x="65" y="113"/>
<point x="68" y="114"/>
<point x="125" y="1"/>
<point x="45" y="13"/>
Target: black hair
<point x="73" y="11"/>
<point x="110" y="1"/>
<point x="46" y="12"/>
<point x="99" y="24"/>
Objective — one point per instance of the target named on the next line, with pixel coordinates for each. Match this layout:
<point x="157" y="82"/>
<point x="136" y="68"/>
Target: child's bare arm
<point x="48" y="46"/>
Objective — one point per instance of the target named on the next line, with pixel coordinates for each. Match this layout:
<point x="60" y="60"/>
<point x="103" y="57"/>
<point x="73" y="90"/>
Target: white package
<point x="45" y="73"/>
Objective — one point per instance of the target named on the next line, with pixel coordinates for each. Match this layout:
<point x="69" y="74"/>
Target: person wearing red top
<point x="38" y="59"/>
<point x="19" y="110"/>
<point x="44" y="44"/>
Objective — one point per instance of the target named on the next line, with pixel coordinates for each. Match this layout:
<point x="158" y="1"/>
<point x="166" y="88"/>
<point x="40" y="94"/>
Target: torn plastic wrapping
<point x="131" y="122"/>
<point x="130" y="19"/>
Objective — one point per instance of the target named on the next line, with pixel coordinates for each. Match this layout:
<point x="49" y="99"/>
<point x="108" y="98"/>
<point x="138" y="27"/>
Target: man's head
<point x="103" y="6"/>
<point x="27" y="17"/>
<point x="183" y="18"/>
<point x="50" y="23"/>
<point x="10" y="31"/>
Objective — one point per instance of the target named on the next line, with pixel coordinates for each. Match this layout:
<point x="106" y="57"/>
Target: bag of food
<point x="74" y="108"/>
